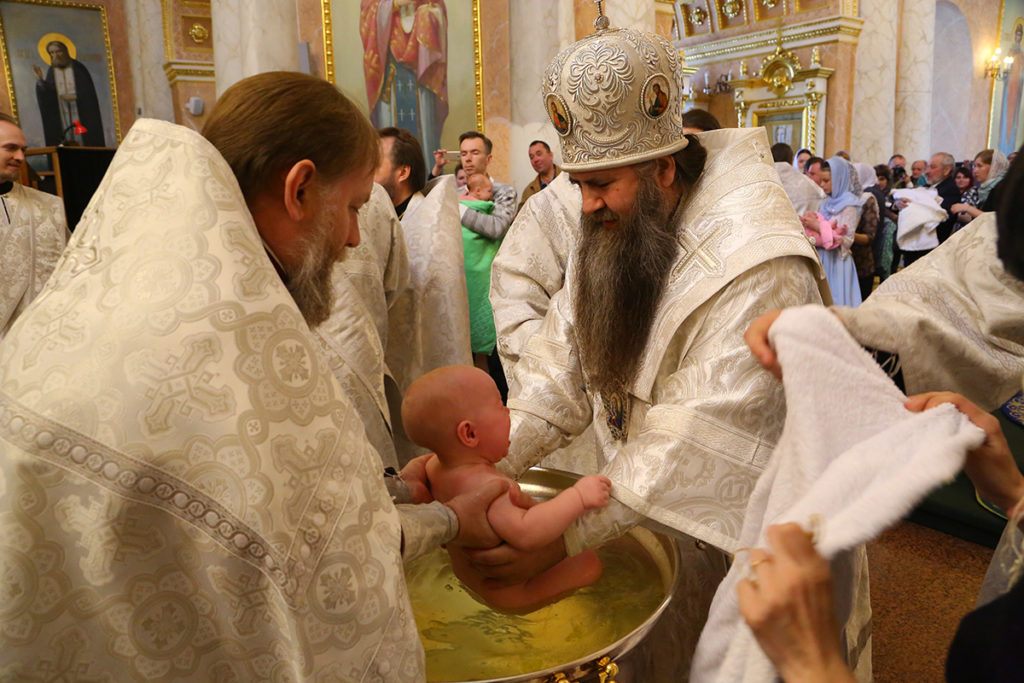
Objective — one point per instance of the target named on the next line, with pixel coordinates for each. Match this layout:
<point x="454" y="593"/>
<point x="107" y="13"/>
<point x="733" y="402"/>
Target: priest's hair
<point x="265" y="124"/>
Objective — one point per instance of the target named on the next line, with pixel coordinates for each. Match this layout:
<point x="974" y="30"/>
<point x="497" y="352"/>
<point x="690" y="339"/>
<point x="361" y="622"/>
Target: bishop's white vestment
<point x="687" y="444"/>
<point x="185" y="492"/>
<point x="952" y="318"/>
<point x="528" y="270"/>
<point x="30" y="244"/>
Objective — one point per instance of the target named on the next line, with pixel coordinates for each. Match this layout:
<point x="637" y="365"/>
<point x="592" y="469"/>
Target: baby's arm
<point x="544" y="522"/>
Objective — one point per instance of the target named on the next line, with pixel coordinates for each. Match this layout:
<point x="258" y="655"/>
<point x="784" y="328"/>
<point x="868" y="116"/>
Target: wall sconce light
<point x="997" y="67"/>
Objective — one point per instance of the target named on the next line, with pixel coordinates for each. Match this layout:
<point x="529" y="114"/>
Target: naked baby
<point x="456" y="412"/>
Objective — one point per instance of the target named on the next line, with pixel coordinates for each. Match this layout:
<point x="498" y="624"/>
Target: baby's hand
<point x="594" y="490"/>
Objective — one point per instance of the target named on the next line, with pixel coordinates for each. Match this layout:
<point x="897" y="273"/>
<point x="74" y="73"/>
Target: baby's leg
<point x="547" y="587"/>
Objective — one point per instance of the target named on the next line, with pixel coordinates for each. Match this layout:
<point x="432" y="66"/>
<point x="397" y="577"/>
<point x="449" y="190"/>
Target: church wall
<point x="120" y="48"/>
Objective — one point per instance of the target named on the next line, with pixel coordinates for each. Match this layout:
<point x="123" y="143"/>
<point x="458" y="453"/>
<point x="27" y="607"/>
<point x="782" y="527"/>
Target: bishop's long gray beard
<point x="620" y="277"/>
<point x="310" y="283"/>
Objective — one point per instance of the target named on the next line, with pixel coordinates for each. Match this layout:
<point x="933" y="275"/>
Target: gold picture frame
<point x="343" y="36"/>
<point x="788" y="124"/>
<point x="28" y="29"/>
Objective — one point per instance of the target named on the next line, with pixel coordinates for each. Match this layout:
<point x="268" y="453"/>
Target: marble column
<point x="146" y="40"/>
<point x="253" y="36"/>
<point x="530" y="59"/>
<point x="914" y="80"/>
<point x="874" y="94"/>
<point x="954" y="70"/>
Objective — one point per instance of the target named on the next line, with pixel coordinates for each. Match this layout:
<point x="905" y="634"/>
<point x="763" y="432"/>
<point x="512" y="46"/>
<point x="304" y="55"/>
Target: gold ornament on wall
<point x="769" y="4"/>
<point x="732" y="8"/>
<point x="779" y="70"/>
<point x="698" y="16"/>
<point x="198" y="34"/>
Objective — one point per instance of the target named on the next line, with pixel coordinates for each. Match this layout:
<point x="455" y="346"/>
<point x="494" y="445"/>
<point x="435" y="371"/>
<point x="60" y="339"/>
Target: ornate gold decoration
<point x="198" y="34"/>
<point x="608" y="670"/>
<point x="815" y="56"/>
<point x="741" y="113"/>
<point x="325" y="13"/>
<point x="769" y="4"/>
<point x="478" y="67"/>
<point x="813" y="98"/>
<point x="743" y="69"/>
<point x="186" y="70"/>
<point x="698" y="16"/>
<point x="779" y="70"/>
<point x="732" y="8"/>
<point x="830" y="29"/>
<point x="168" y="25"/>
<point x="781" y="104"/>
<point x="106" y="44"/>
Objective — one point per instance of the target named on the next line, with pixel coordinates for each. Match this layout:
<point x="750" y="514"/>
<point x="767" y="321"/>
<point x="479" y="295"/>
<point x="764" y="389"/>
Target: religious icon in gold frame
<point x="784" y="125"/>
<point x="60" y="72"/>
<point x="419" y="65"/>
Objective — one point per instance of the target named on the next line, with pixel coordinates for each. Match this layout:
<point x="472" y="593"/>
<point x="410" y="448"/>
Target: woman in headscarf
<point x="989" y="168"/>
<point x="839" y="214"/>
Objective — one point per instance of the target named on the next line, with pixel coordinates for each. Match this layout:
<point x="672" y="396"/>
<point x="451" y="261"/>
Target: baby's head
<point x="457" y="411"/>
<point x="479" y="187"/>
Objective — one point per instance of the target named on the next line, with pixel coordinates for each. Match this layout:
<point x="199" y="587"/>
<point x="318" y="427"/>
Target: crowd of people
<point x="861" y="225"/>
<point x="216" y="414"/>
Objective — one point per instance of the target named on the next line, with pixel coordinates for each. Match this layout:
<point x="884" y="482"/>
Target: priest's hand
<point x="756" y="337"/>
<point x="505" y="565"/>
<point x="788" y="606"/>
<point x="471" y="509"/>
<point x="38" y="72"/>
<point x="991" y="466"/>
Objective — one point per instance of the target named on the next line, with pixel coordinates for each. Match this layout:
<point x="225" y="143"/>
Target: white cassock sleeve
<point x="953" y="318"/>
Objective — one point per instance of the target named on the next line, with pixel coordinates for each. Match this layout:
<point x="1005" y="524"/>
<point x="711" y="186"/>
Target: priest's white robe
<point x="954" y="318"/>
<point x="379" y="267"/>
<point x="430" y="319"/>
<point x="185" y="492"/>
<point x="530" y="266"/>
<point x="803" y="193"/>
<point x="30" y="244"/>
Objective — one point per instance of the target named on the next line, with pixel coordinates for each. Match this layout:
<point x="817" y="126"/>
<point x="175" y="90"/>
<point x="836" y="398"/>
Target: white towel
<point x="849" y="453"/>
<point x="915" y="229"/>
